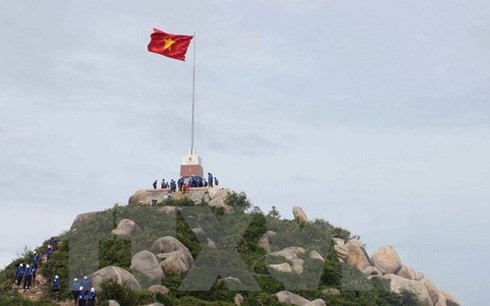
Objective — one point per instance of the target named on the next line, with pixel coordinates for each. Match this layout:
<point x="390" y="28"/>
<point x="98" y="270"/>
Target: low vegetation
<point x="78" y="248"/>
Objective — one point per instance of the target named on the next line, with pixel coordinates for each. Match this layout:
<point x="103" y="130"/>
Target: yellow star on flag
<point x="168" y="43"/>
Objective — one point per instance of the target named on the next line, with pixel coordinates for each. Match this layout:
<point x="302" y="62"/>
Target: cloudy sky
<point x="373" y="115"/>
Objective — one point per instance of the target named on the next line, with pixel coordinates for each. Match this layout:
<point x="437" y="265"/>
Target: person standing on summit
<point x="155" y="184"/>
<point x="210" y="179"/>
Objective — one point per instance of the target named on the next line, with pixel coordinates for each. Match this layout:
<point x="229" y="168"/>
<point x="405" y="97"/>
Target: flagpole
<point x="193" y="95"/>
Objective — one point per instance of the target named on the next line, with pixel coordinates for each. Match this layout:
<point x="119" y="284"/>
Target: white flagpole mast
<point x="193" y="95"/>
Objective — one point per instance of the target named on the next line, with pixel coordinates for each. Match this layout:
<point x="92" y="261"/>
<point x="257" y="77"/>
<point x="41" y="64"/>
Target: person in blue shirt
<point x="56" y="286"/>
<point x="210" y="179"/>
<point x="82" y="297"/>
<point x="75" y="290"/>
<point x="215" y="181"/>
<point x="34" y="274"/>
<point x="91" y="297"/>
<point x="27" y="278"/>
<point x="172" y="185"/>
<point x="52" y="242"/>
<point x="19" y="274"/>
<point x="86" y="283"/>
<point x="35" y="260"/>
<point x="49" y="251"/>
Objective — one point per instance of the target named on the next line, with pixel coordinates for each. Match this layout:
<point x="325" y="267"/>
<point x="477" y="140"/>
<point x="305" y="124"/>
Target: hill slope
<point x="212" y="247"/>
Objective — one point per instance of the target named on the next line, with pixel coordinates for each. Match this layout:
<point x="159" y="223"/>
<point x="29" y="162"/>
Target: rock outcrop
<point x="357" y="255"/>
<point x="117" y="274"/>
<point x="265" y="240"/>
<point x="387" y="260"/>
<point x="147" y="263"/>
<point x="177" y="259"/>
<point x="138" y="197"/>
<point x="290" y="298"/>
<point x="284" y="267"/>
<point x="159" y="289"/>
<point x="317" y="302"/>
<point x="299" y="215"/>
<point x="408" y="273"/>
<point x="126" y="227"/>
<point x="82" y="218"/>
<point x="399" y="284"/>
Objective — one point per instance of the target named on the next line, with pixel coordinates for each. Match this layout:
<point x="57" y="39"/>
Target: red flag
<point x="170" y="45"/>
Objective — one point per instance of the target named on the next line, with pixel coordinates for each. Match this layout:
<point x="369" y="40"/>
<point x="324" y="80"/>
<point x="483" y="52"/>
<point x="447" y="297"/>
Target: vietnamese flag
<point x="170" y="45"/>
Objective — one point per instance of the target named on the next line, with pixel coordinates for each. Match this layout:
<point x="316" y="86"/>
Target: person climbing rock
<point x="215" y="181"/>
<point x="19" y="274"/>
<point x="35" y="260"/>
<point x="92" y="296"/>
<point x="210" y="179"/>
<point x="27" y="278"/>
<point x="49" y="251"/>
<point x="75" y="290"/>
<point x="34" y="274"/>
<point x="82" y="297"/>
<point x="56" y="287"/>
<point x="86" y="283"/>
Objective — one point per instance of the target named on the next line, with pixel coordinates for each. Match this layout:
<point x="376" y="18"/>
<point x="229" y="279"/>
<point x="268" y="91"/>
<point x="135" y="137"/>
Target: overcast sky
<point x="373" y="115"/>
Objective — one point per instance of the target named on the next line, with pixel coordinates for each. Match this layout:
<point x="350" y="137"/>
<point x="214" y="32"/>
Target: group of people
<point x="83" y="292"/>
<point x="184" y="184"/>
<point x="25" y="274"/>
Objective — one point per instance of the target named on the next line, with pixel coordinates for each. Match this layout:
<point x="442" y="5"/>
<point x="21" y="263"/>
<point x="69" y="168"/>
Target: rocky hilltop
<point x="211" y="246"/>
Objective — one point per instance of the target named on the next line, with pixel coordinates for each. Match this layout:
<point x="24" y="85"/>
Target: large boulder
<point x="117" y="274"/>
<point x="358" y="256"/>
<point x="357" y="242"/>
<point x="238" y="299"/>
<point x="218" y="198"/>
<point x="126" y="227"/>
<point x="289" y="253"/>
<point x="265" y="241"/>
<point x="342" y="251"/>
<point x="315" y="255"/>
<point x="82" y="218"/>
<point x="290" y="298"/>
<point x="298" y="265"/>
<point x="175" y="263"/>
<point x="137" y="198"/>
<point x="284" y="267"/>
<point x="432" y="289"/>
<point x="441" y="301"/>
<point x="147" y="263"/>
<point x="169" y="244"/>
<point x="317" y="302"/>
<point x="387" y="260"/>
<point x="299" y="215"/>
<point x="399" y="284"/>
<point x="159" y="289"/>
<point x="450" y="300"/>
<point x="407" y="272"/>
<point x="177" y="259"/>
<point x="370" y="271"/>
